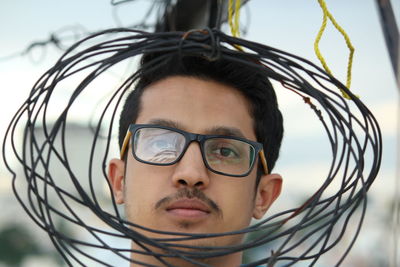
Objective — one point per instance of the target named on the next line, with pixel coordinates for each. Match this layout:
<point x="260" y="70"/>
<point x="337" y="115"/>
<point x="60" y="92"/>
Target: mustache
<point x="190" y="194"/>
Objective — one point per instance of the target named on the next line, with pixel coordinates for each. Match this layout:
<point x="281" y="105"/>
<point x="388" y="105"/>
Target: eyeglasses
<point x="162" y="146"/>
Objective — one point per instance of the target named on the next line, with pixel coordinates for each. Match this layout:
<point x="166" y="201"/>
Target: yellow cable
<point x="326" y="15"/>
<point x="233" y="20"/>
<point x="237" y="13"/>
<point x="230" y="17"/>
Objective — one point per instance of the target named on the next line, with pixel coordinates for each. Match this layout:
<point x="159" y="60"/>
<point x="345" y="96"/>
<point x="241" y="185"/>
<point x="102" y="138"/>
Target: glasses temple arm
<point x="263" y="161"/>
<point x="125" y="144"/>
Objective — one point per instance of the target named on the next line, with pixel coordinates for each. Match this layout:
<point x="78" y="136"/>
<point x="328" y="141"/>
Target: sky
<point x="290" y="25"/>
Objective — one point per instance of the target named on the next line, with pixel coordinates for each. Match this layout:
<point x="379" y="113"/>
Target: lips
<point x="190" y="208"/>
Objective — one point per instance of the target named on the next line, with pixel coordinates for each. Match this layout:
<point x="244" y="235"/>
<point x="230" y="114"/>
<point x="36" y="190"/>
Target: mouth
<point x="188" y="208"/>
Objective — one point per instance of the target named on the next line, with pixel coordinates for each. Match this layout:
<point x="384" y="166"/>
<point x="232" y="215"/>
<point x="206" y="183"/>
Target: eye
<point x="225" y="152"/>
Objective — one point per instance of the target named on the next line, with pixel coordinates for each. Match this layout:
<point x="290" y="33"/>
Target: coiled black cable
<point x="303" y="233"/>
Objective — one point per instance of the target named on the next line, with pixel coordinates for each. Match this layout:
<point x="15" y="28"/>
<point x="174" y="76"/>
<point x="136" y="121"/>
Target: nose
<point x="191" y="171"/>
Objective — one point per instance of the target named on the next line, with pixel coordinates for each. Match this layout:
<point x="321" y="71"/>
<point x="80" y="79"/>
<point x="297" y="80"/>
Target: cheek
<point x="142" y="178"/>
<point x="143" y="188"/>
<point x="237" y="201"/>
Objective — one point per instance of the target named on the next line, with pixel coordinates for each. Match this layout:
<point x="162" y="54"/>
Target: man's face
<point x="186" y="196"/>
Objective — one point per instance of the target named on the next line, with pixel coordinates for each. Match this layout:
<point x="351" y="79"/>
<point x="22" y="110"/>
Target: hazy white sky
<point x="289" y="25"/>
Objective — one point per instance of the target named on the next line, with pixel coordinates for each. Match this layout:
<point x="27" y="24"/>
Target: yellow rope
<point x="234" y="20"/>
<point x="237" y="13"/>
<point x="326" y="15"/>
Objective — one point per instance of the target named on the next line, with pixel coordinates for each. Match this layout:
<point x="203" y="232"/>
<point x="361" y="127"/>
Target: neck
<point x="231" y="260"/>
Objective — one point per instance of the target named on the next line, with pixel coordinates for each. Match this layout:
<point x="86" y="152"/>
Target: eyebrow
<point x="216" y="130"/>
<point x="228" y="131"/>
<point x="168" y="123"/>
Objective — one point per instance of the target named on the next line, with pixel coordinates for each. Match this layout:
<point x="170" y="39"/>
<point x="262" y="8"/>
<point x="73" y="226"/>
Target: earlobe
<point x="116" y="171"/>
<point x="268" y="191"/>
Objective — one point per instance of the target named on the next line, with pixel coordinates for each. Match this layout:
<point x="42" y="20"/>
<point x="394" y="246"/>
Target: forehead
<point x="196" y="104"/>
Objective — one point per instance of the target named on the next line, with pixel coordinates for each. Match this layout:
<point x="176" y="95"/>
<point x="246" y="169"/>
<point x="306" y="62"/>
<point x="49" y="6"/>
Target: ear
<point x="116" y="171"/>
<point x="267" y="192"/>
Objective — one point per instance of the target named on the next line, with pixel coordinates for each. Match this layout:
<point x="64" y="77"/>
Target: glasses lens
<point x="156" y="145"/>
<point x="229" y="156"/>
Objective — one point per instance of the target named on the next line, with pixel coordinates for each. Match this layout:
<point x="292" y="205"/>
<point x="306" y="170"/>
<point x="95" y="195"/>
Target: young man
<point x="198" y="142"/>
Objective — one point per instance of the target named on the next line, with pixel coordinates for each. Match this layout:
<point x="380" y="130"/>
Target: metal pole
<point x="391" y="34"/>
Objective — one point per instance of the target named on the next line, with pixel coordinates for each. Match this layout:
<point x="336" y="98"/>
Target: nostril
<point x="185" y="183"/>
<point x="182" y="182"/>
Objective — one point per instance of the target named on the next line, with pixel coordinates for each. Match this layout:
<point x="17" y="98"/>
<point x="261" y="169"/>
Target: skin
<point x="148" y="191"/>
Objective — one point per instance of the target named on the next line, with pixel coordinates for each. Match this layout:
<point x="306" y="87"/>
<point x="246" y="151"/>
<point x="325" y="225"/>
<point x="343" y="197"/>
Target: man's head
<point x="193" y="94"/>
<point x="250" y="81"/>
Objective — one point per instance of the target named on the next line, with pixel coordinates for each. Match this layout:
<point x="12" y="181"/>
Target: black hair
<point x="252" y="82"/>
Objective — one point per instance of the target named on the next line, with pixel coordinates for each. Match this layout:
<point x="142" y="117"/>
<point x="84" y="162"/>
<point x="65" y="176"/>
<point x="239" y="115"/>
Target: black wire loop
<point x="300" y="234"/>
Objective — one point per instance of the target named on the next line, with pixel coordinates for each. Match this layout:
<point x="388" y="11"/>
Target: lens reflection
<point x="157" y="145"/>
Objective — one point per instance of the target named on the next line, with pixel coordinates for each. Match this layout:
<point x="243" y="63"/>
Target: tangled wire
<point x="58" y="197"/>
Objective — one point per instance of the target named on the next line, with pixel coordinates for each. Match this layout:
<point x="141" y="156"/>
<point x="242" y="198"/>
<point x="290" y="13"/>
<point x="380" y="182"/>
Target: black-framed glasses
<point x="162" y="146"/>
